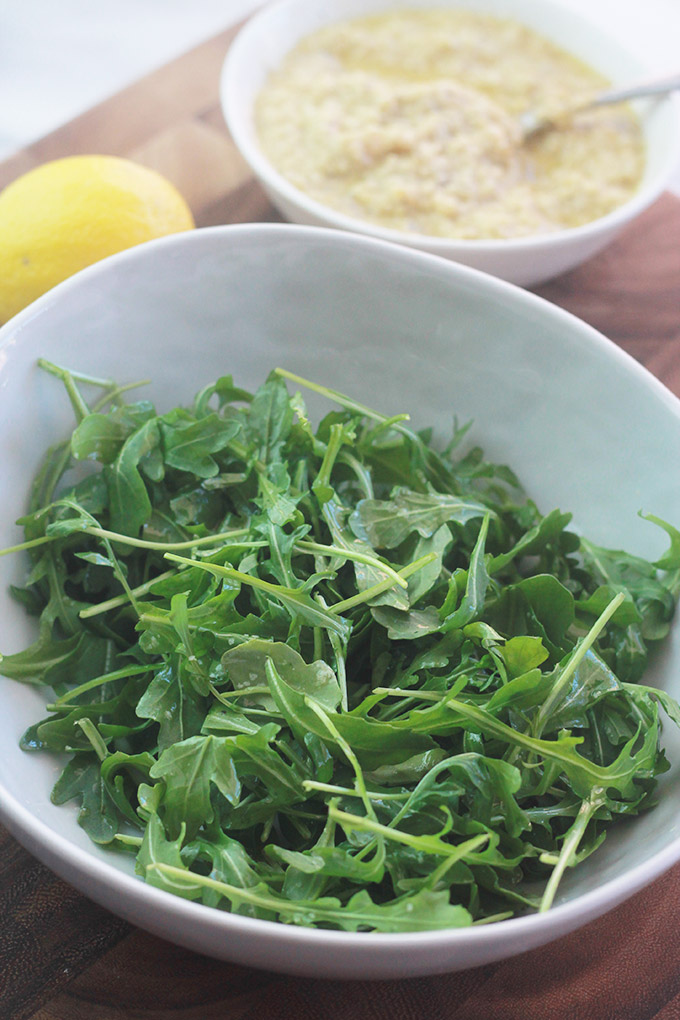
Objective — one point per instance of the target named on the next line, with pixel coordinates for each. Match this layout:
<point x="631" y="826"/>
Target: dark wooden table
<point x="62" y="957"/>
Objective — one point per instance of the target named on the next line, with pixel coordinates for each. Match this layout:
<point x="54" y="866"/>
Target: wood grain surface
<point x="62" y="957"/>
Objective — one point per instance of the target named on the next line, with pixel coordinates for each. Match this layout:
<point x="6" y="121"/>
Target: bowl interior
<point x="398" y="330"/>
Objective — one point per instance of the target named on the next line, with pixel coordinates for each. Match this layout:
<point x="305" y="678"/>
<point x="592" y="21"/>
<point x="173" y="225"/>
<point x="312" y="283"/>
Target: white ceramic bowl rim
<point x="236" y="119"/>
<point x="63" y="855"/>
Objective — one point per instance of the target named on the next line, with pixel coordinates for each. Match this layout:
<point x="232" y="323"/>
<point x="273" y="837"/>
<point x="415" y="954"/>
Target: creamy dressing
<point x="408" y="119"/>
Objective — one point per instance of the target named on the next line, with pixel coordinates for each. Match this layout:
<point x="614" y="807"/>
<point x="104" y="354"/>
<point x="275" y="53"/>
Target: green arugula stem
<point x="80" y="408"/>
<point x="90" y="380"/>
<point x="231" y="573"/>
<point x="436" y="876"/>
<point x="347" y="751"/>
<point x="548" y="858"/>
<point x="127" y="840"/>
<point x="570" y="845"/>
<point x="382" y="586"/>
<point x="299" y="813"/>
<point x="226" y="696"/>
<point x="321" y="913"/>
<point x="141" y="543"/>
<point x="385" y="426"/>
<point x="122" y="600"/>
<point x="347" y="791"/>
<point x="115" y="392"/>
<point x="362" y="475"/>
<point x="358" y="557"/>
<point x="95" y="738"/>
<point x="492" y="918"/>
<point x="194" y="543"/>
<point x="31" y="544"/>
<point x="243" y="454"/>
<point x="431" y="844"/>
<point x="334" y="395"/>
<point x="574" y="662"/>
<point x="399" y="692"/>
<point x="318" y="643"/>
<point x="267" y="713"/>
<point x="120" y="574"/>
<point x="98" y="681"/>
<point x="322" y="480"/>
<point x="289" y="753"/>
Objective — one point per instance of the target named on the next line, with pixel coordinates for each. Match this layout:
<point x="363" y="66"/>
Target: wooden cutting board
<point x="62" y="957"/>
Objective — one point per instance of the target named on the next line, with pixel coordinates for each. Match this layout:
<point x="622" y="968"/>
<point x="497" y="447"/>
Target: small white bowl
<point x="585" y="427"/>
<point x="264" y="41"/>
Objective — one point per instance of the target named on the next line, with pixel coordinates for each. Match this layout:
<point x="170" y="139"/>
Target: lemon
<point x="68" y="213"/>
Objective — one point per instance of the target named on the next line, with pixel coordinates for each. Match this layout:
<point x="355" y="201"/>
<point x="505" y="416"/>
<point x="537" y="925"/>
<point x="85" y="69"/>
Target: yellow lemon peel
<point x="66" y="214"/>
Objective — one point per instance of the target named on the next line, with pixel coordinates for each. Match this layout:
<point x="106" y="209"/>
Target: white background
<point x="59" y="57"/>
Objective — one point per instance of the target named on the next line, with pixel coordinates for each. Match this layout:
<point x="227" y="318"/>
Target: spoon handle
<point x="532" y="123"/>
<point x="651" y="87"/>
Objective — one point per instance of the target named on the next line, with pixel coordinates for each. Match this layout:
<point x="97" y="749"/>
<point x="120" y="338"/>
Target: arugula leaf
<point x="101" y="436"/>
<point x="188" y="768"/>
<point x="157" y="849"/>
<point x="166" y="700"/>
<point x="387" y="523"/>
<point x="130" y="504"/>
<point x="188" y="445"/>
<point x="270" y="419"/>
<point x="36" y="662"/>
<point x="81" y="780"/>
<point x="476" y="584"/>
<point x="245" y="666"/>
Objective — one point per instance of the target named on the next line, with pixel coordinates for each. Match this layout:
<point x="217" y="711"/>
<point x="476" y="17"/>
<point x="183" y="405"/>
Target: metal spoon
<point x="533" y="123"/>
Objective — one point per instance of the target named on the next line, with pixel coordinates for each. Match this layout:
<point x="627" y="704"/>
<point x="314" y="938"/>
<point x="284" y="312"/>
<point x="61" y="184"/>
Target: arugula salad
<point x="330" y="675"/>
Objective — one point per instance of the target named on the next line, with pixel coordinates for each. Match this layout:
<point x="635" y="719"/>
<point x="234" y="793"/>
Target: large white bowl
<point x="584" y="425"/>
<point x="270" y="34"/>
